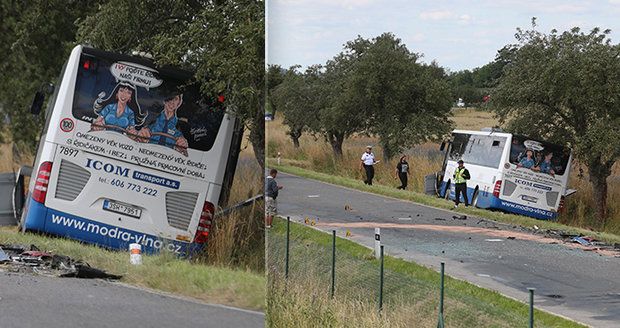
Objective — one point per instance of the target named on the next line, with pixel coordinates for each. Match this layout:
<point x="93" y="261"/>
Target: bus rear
<point x="513" y="173"/>
<point x="535" y="178"/>
<point x="130" y="153"/>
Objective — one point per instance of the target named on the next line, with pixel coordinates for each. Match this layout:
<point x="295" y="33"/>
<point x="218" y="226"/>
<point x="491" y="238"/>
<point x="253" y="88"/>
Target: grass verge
<point x="165" y="272"/>
<point x="411" y="291"/>
<point x="439" y="203"/>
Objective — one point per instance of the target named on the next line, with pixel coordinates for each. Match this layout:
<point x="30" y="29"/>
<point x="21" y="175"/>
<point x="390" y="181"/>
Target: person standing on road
<point x="271" y="193"/>
<point x="402" y="170"/>
<point x="368" y="160"/>
<point x="461" y="175"/>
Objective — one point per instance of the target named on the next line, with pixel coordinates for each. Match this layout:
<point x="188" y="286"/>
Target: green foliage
<point x="566" y="87"/>
<point x="275" y="76"/>
<point x="374" y="86"/>
<point x="35" y="39"/>
<point x="404" y="103"/>
<point x="297" y="97"/>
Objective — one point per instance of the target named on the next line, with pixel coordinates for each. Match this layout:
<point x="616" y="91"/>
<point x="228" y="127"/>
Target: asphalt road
<point x="581" y="285"/>
<point x="40" y="301"/>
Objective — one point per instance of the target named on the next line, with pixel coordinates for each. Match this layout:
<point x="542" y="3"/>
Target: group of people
<point x="368" y="160"/>
<point x="538" y="162"/>
<point x="461" y="174"/>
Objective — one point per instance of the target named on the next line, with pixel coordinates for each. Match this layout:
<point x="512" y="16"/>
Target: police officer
<point x="461" y="175"/>
<point x="368" y="160"/>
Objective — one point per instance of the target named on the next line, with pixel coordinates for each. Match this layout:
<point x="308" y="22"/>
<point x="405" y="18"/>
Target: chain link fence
<point x="309" y="286"/>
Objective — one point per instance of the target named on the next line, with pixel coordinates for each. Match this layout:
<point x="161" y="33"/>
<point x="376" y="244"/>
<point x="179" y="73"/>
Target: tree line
<point x="374" y="86"/>
<point x="563" y="87"/>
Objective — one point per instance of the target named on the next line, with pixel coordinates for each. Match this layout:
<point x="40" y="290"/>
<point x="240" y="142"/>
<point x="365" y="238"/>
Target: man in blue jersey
<point x="164" y="130"/>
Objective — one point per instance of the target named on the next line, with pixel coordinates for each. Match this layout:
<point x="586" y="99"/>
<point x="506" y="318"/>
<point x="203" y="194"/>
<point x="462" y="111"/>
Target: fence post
<point x="377" y="242"/>
<point x="381" y="283"/>
<point x="288" y="234"/>
<point x="333" y="262"/>
<point x="440" y="323"/>
<point x="531" y="306"/>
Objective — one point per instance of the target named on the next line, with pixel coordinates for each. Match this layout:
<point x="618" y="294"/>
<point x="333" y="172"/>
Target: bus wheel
<point x="446" y="192"/>
<point x="474" y="198"/>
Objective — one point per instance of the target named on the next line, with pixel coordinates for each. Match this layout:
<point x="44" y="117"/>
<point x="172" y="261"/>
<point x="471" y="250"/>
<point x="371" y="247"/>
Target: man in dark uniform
<point x="461" y="175"/>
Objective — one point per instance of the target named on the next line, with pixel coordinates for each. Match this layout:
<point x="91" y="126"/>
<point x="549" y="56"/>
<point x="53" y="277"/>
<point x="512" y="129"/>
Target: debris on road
<point x="440" y="219"/>
<point x="459" y="217"/>
<point x="348" y="207"/>
<point x="512" y="238"/>
<point x="581" y="241"/>
<point x="29" y="259"/>
<point x="3" y="256"/>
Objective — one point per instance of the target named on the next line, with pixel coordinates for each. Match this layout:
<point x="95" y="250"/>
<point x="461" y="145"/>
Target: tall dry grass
<point x="315" y="154"/>
<point x="238" y="239"/>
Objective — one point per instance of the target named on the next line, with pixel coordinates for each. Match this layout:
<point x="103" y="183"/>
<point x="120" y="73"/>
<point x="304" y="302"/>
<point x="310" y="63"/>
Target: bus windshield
<point x="144" y="104"/>
<point x="483" y="150"/>
<point x="539" y="156"/>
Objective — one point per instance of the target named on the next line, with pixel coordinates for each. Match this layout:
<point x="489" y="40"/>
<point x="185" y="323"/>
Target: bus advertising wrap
<point x="132" y="113"/>
<point x="528" y="187"/>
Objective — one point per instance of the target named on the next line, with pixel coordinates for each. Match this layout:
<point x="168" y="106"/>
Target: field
<point x="316" y="155"/>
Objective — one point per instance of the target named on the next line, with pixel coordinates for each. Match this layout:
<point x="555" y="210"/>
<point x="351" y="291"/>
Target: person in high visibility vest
<point x="461" y="175"/>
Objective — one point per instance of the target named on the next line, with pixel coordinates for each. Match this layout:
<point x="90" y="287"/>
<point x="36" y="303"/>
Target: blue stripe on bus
<point x="488" y="201"/>
<point x="44" y="219"/>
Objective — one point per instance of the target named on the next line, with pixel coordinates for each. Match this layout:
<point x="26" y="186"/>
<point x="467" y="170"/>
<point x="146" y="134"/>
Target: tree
<point x="339" y="117"/>
<point x="275" y="76"/>
<point x="297" y="98"/>
<point x="565" y="87"/>
<point x="221" y="40"/>
<point x="403" y="102"/>
<point x="35" y="39"/>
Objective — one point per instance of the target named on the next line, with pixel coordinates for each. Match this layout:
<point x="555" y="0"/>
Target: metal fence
<point x="341" y="275"/>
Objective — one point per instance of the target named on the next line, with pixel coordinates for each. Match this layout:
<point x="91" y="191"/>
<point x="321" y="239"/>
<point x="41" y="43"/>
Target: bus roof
<point x="484" y="133"/>
<point x="169" y="71"/>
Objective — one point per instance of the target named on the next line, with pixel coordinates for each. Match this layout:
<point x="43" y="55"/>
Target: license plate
<point x="116" y="207"/>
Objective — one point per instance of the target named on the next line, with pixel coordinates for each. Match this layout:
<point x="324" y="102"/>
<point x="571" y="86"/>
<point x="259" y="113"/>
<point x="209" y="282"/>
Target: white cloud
<point x="464" y="19"/>
<point x="437" y="15"/>
<point x="614" y="2"/>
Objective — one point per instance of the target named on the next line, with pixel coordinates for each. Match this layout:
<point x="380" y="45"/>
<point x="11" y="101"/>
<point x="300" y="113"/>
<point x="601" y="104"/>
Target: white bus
<point x="508" y="172"/>
<point x="130" y="153"/>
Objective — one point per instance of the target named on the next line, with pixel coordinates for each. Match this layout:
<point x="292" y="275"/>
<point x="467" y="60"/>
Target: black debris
<point x="29" y="259"/>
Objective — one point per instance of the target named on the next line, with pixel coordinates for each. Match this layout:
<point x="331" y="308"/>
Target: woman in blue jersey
<point x="120" y="111"/>
<point x="527" y="161"/>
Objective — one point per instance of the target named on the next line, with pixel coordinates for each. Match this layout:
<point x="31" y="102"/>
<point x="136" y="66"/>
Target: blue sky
<point x="458" y="34"/>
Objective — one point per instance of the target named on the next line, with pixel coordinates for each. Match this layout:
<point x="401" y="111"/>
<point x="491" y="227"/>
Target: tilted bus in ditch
<point x="130" y="153"/>
<point x="508" y="172"/>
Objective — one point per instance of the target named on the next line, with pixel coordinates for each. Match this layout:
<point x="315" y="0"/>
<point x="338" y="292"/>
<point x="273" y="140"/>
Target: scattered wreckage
<point x="30" y="259"/>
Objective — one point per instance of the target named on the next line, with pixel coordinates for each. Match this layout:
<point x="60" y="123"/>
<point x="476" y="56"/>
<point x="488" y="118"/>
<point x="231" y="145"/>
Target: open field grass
<point x="411" y="292"/>
<point x="316" y="155"/>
